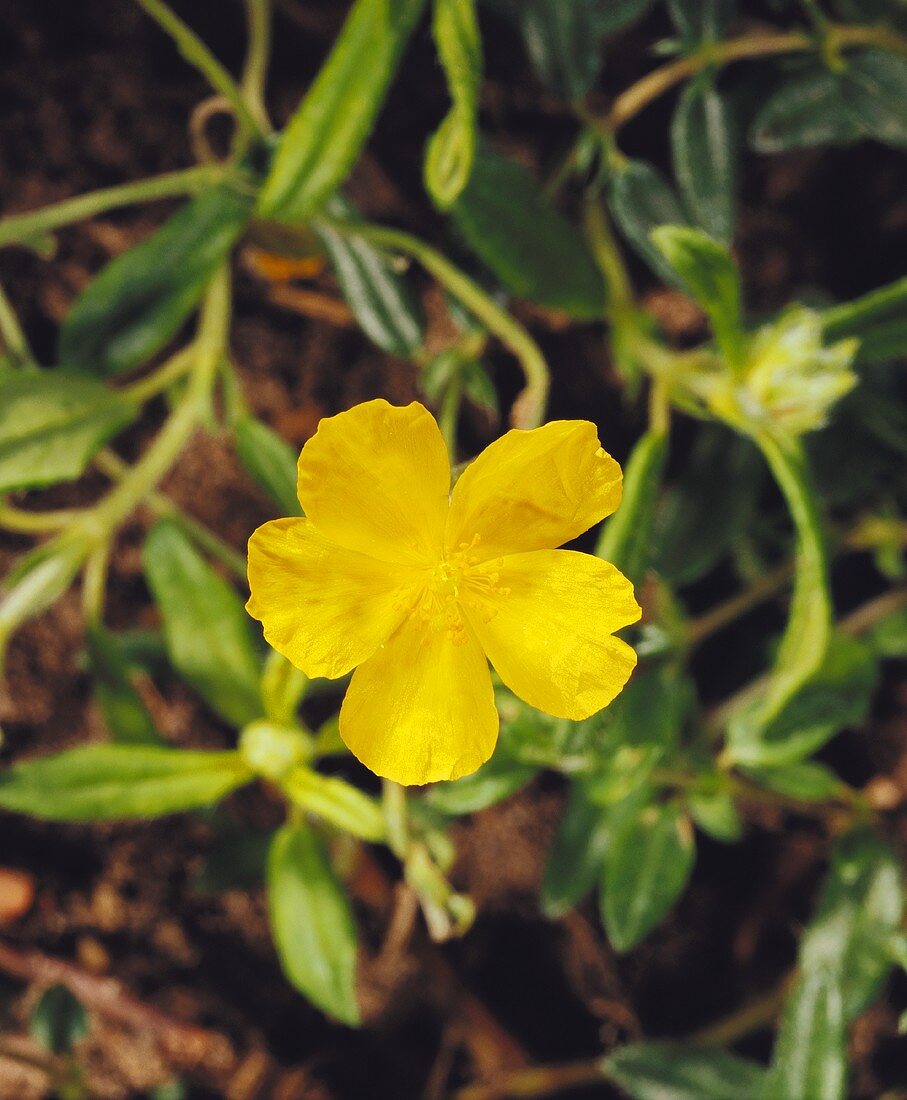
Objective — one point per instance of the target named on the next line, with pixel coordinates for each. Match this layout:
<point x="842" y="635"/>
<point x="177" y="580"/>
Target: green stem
<point x="715" y="54"/>
<point x="255" y="71"/>
<point x="194" y="50"/>
<point x="23" y="227"/>
<point x="450" y="413"/>
<point x="35" y="523"/>
<point x="529" y="408"/>
<point x="175" y="368"/>
<point x="809" y="623"/>
<point x="18" y="352"/>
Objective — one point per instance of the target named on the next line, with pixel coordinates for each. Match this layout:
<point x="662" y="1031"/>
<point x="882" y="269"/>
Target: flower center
<point x="455" y="582"/>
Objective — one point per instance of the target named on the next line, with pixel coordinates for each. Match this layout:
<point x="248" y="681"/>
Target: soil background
<point x="182" y="983"/>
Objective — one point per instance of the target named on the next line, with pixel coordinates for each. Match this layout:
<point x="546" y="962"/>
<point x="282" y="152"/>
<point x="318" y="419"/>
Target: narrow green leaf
<point x="496" y="780"/>
<point x="337" y="802"/>
<point x="125" y="715"/>
<point x="59" y="1021"/>
<point x="451" y="150"/>
<point x="876" y="82"/>
<point x="647" y="865"/>
<point x="715" y="812"/>
<point x="110" y="782"/>
<point x="806" y="110"/>
<point x="810" y="1060"/>
<point x="625" y="539"/>
<point x="838" y="694"/>
<point x="804" y="779"/>
<point x="878" y="319"/>
<point x="312" y="922"/>
<point x="209" y="637"/>
<point x="702" y="20"/>
<point x="332" y="123"/>
<point x="509" y="223"/>
<point x="270" y="461"/>
<point x="640" y="201"/>
<point x="702" y="146"/>
<point x="574" y="864"/>
<point x="707" y="270"/>
<point x="139" y="301"/>
<point x="51" y="424"/>
<point x="861" y="907"/>
<point x="674" y="1071"/>
<point x="382" y="301"/>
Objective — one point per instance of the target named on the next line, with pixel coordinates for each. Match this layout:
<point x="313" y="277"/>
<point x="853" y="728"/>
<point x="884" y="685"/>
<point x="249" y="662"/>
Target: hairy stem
<point x="24" y="227"/>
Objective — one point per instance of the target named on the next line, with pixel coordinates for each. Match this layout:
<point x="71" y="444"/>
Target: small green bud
<point x="272" y="751"/>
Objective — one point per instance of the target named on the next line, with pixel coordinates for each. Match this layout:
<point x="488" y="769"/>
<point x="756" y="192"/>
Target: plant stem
<point x="35" y="523"/>
<point x="160" y="379"/>
<point x="194" y="50"/>
<point x="255" y="71"/>
<point x="450" y="412"/>
<point x="115" y="468"/>
<point x="763" y="588"/>
<point x="23" y="227"/>
<point x="714" y="54"/>
<point x="751" y="1017"/>
<point x="529" y="408"/>
<point x="15" y="344"/>
<point x="94" y="578"/>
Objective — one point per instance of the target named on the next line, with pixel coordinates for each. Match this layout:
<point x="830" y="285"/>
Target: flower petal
<point x="325" y="608"/>
<point x="534" y="490"/>
<point x="545" y="619"/>
<point x="377" y="479"/>
<point x="422" y="709"/>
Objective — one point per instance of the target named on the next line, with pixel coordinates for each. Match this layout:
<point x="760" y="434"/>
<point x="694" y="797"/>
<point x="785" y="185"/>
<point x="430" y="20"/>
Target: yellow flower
<point x="415" y="585"/>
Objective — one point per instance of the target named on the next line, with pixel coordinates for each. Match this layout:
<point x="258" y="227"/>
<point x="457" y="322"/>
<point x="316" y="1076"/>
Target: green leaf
<point x="715" y="812"/>
<point x="674" y="1071"/>
<point x="706" y="509"/>
<point x="451" y="149"/>
<point x="139" y="301"/>
<point x="640" y="201"/>
<point x="626" y="537"/>
<point x="577" y="853"/>
<point x="332" y="123"/>
<point x="860" y="909"/>
<point x="878" y="319"/>
<point x="312" y="923"/>
<point x="876" y="85"/>
<point x="865" y="99"/>
<point x="59" y="1021"/>
<point x="702" y="20"/>
<point x="702" y="145"/>
<point x="807" y="780"/>
<point x="647" y="865"/>
<point x="270" y="461"/>
<point x="209" y="637"/>
<point x="51" y="424"/>
<point x="708" y="272"/>
<point x="125" y="715"/>
<point x="837" y="695"/>
<point x="509" y="223"/>
<point x="110" y="782"/>
<point x="381" y="300"/>
<point x="496" y="780"/>
<point x="888" y="638"/>
<point x="337" y="802"/>
<point x="810" y="1059"/>
<point x="807" y="109"/>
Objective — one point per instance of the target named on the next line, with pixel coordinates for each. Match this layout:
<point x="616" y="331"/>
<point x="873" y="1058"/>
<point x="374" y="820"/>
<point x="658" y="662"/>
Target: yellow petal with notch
<point x="325" y="608"/>
<point x="422" y="709"/>
<point x="545" y="620"/>
<point x="377" y="479"/>
<point x="533" y="490"/>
